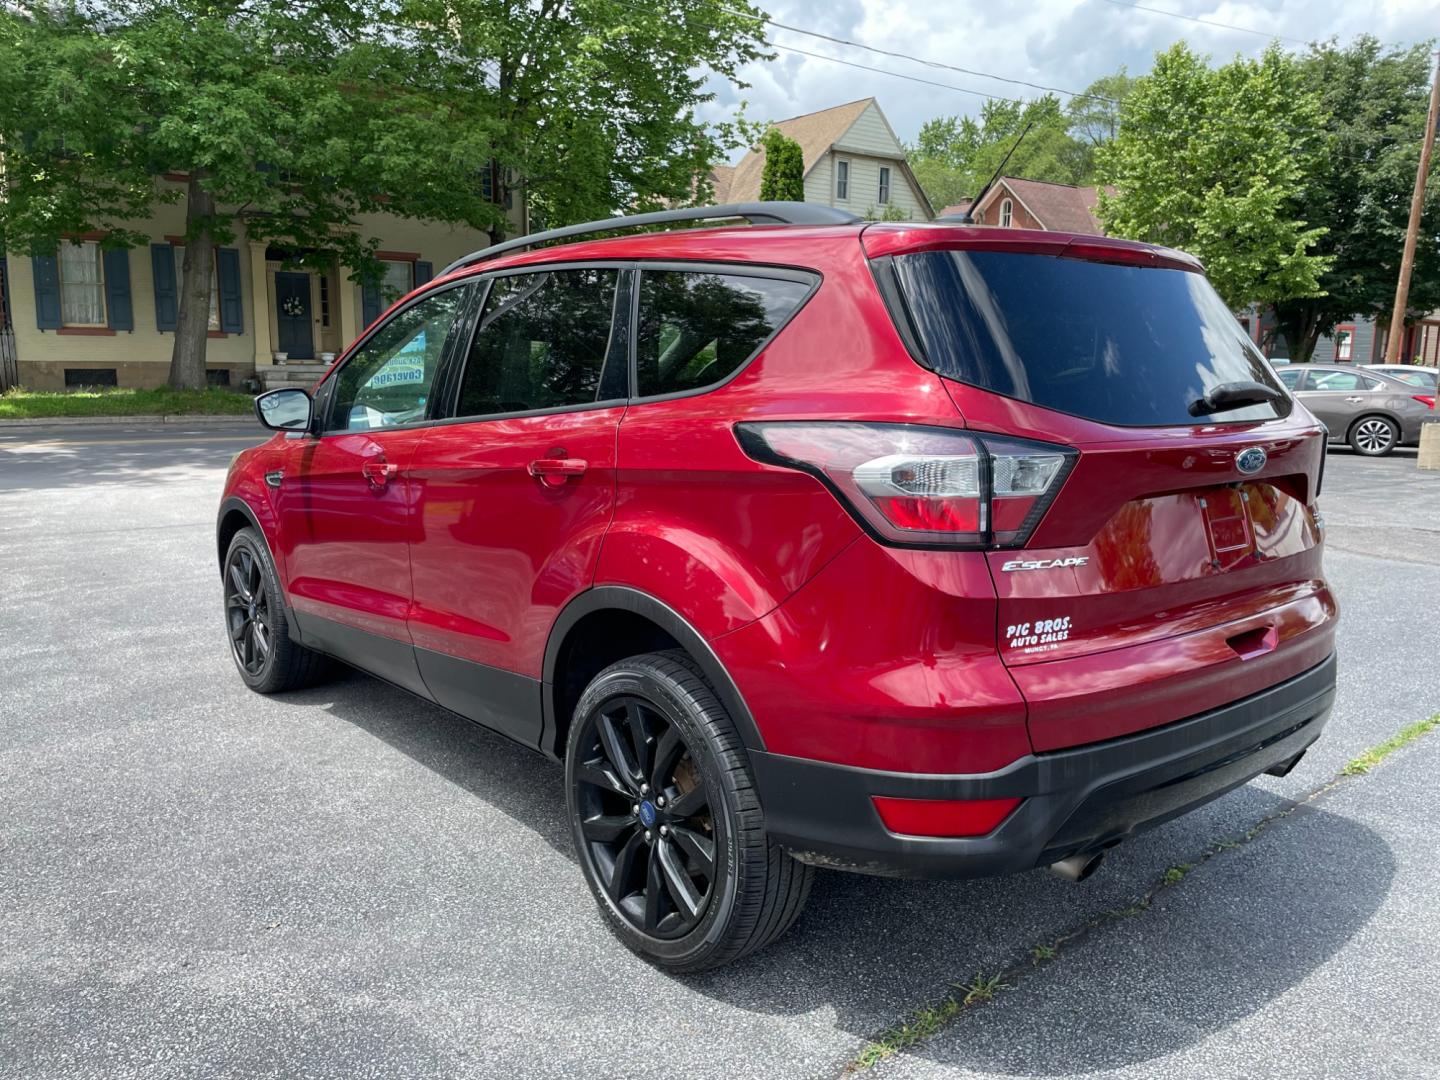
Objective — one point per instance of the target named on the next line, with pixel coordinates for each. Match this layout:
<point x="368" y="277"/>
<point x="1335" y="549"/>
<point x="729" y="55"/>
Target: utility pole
<point x="1417" y="203"/>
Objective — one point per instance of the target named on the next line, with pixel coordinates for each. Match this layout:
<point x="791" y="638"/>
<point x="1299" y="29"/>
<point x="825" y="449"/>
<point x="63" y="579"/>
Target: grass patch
<point x="928" y="1021"/>
<point x="1404" y="737"/>
<point x="1040" y="953"/>
<point x="1176" y="874"/>
<point x="18" y="403"/>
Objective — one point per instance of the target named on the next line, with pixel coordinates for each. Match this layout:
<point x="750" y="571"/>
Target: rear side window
<point x="1341" y="380"/>
<point x="542" y="342"/>
<point x="1125" y="345"/>
<point x="697" y="328"/>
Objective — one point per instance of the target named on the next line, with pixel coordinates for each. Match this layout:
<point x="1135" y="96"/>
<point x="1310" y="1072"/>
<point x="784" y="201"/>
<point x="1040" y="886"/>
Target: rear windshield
<point x="1124" y="345"/>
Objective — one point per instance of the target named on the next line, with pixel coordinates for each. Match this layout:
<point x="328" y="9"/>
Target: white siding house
<point x="853" y="160"/>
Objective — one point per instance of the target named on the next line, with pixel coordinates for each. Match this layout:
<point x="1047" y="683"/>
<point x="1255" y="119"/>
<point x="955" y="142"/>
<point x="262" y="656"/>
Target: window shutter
<point x="227" y="265"/>
<point x="119" y="311"/>
<point x="424" y="271"/>
<point x="162" y="267"/>
<point x="369" y="303"/>
<point x="47" y="291"/>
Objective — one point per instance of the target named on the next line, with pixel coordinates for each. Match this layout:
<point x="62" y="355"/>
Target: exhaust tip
<point x="1078" y="867"/>
<point x="1284" y="768"/>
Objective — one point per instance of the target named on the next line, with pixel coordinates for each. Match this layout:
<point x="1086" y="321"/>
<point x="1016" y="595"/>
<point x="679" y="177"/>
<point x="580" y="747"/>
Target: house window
<point x="398" y="279"/>
<point x="884" y="185"/>
<point x="842" y="180"/>
<point x="1344" y="344"/>
<point x="1006" y="213"/>
<point x="214" y="320"/>
<point x="82" y="284"/>
<point x="324" y="299"/>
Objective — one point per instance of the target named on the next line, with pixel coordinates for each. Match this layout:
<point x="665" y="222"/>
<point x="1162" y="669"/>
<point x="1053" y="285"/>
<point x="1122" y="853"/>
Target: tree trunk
<point x="1300" y="323"/>
<point x="187" y="359"/>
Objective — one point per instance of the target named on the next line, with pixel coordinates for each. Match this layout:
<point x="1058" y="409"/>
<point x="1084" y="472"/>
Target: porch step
<point x="303" y="375"/>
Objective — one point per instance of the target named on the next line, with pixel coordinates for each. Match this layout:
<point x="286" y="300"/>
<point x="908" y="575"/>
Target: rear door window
<point x="1125" y="345"/>
<point x="543" y="343"/>
<point x="1348" y="381"/>
<point x="698" y="328"/>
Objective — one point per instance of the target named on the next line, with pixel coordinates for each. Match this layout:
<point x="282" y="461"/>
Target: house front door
<point x="292" y="316"/>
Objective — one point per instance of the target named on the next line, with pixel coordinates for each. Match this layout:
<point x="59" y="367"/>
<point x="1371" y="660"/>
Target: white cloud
<point x="1062" y="43"/>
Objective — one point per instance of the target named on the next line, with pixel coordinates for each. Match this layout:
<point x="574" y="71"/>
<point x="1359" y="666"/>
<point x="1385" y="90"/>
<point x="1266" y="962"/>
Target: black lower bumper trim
<point x="1076" y="800"/>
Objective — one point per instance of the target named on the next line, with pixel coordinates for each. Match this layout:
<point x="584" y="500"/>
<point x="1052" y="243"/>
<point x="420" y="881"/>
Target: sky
<point x="1061" y="43"/>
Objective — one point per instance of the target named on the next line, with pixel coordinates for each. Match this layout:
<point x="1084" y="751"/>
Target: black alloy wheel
<point x="645" y="816"/>
<point x="257" y="624"/>
<point x="247" y="612"/>
<point x="667" y="820"/>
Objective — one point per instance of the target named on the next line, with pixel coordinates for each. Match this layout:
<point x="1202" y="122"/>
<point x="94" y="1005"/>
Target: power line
<point x="765" y="19"/>
<point x="1206" y="22"/>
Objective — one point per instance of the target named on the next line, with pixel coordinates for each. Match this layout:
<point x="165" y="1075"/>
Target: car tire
<point x="1374" y="436"/>
<point x="256" y="623"/>
<point x="656" y="778"/>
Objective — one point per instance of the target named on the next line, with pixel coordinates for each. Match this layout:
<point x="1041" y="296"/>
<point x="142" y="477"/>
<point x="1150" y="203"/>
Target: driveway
<point x="346" y="882"/>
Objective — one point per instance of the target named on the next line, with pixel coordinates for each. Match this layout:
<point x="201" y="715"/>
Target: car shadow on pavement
<point x="869" y="951"/>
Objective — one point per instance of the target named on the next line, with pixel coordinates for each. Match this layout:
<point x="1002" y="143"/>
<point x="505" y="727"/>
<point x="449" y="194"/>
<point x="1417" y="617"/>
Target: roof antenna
<point x="966" y="218"/>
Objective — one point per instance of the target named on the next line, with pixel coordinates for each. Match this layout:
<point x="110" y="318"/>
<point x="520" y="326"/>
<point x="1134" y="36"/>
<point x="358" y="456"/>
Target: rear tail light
<point x="1428" y="400"/>
<point x="922" y="486"/>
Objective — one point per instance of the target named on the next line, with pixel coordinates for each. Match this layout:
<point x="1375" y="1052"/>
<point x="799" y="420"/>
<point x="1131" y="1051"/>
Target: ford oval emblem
<point x="1251" y="460"/>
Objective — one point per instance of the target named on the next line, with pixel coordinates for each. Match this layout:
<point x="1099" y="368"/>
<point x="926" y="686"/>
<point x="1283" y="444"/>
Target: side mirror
<point x="286" y="409"/>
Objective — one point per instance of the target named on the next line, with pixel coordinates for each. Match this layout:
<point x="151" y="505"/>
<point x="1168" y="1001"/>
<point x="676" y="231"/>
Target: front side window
<point x="1125" y="345"/>
<point x="697" y="328"/>
<point x="82" y="284"/>
<point x="388" y="379"/>
<point x="884" y="185"/>
<point x="179" y="250"/>
<point x="1290" y="377"/>
<point x="542" y="342"/>
<point x="842" y="180"/>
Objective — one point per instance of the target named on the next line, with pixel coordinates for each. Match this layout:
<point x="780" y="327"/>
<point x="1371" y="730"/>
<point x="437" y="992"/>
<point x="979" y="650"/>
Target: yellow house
<point x="88" y="316"/>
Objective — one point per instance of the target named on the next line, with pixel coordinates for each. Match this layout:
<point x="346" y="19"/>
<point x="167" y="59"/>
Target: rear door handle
<point x="379" y="472"/>
<point x="553" y="472"/>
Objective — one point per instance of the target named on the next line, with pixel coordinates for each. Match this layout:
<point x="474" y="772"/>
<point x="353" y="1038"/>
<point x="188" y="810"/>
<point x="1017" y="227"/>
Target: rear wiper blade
<point x="1234" y="395"/>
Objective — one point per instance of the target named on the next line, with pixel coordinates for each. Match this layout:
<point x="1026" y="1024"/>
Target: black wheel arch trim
<point x="624" y="598"/>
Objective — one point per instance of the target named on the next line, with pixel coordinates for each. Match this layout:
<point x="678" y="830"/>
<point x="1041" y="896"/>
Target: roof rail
<point x="771" y="213"/>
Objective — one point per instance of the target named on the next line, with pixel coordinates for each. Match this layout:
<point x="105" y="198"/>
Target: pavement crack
<point x="926" y="1021"/>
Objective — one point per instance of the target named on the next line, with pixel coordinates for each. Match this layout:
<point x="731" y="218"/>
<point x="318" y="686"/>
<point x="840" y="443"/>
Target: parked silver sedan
<point x="1372" y="411"/>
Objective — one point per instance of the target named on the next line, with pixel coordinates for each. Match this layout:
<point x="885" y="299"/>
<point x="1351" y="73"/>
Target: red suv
<point x="908" y="549"/>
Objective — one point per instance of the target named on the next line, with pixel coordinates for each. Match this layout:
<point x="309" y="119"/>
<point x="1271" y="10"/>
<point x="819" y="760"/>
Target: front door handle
<point x="1355" y="400"/>
<point x="554" y="471"/>
<point x="379" y="472"/>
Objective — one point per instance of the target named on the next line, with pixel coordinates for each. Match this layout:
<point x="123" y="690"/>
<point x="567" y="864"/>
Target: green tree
<point x="294" y="119"/>
<point x="598" y="100"/>
<point x="1094" y="116"/>
<point x="1359" y="190"/>
<point x="783" y="177"/>
<point x="290" y="121"/>
<point x="1213" y="161"/>
<point x="954" y="156"/>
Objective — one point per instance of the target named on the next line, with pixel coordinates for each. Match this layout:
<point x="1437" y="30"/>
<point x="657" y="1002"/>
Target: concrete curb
<point x="143" y="420"/>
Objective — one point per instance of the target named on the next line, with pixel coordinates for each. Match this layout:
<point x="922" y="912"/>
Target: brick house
<point x="1016" y="203"/>
<point x="90" y="316"/>
<point x="853" y="160"/>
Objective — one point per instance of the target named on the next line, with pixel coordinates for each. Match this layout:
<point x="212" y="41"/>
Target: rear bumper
<point x="1076" y="800"/>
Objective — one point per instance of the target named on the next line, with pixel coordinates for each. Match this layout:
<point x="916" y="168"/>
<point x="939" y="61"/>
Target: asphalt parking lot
<point x="346" y="882"/>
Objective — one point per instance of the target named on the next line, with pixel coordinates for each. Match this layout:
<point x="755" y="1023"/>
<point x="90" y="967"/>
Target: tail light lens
<point x="1428" y="400"/>
<point x="921" y="486"/>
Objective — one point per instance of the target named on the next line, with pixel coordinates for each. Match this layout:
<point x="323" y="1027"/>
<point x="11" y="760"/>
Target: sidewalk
<point x="140" y="420"/>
